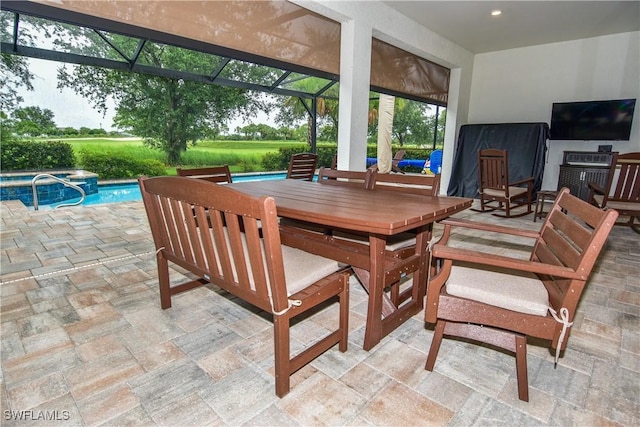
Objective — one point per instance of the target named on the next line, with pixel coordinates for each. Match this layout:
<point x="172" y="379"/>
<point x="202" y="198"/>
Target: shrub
<point x="118" y="165"/>
<point x="280" y="160"/>
<point x="32" y="155"/>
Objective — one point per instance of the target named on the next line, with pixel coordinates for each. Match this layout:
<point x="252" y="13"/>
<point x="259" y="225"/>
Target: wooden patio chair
<point x="625" y="197"/>
<point x="302" y="166"/>
<point x="495" y="190"/>
<point x="244" y="258"/>
<point x="395" y="162"/>
<point x="400" y="245"/>
<point x="219" y="174"/>
<point x="500" y="300"/>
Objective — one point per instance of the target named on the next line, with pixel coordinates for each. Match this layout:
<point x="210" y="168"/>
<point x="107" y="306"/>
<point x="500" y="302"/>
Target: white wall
<point x="520" y="85"/>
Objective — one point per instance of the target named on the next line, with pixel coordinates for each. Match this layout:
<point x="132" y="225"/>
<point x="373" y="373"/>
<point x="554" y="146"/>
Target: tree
<point x="38" y="121"/>
<point x="409" y="122"/>
<point x="168" y="113"/>
<point x="14" y="72"/>
<point x="14" y="69"/>
<point x="293" y="108"/>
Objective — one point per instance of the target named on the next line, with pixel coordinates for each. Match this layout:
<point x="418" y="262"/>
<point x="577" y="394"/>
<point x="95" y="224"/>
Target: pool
<point x="17" y="186"/>
<point x="130" y="191"/>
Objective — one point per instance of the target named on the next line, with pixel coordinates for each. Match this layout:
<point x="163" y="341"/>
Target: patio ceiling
<point x="280" y="43"/>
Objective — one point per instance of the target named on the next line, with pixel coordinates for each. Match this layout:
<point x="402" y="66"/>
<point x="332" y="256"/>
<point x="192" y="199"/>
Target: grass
<point x="241" y="156"/>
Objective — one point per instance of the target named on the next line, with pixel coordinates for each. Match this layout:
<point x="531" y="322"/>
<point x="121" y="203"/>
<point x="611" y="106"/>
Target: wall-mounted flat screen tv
<point x="592" y="120"/>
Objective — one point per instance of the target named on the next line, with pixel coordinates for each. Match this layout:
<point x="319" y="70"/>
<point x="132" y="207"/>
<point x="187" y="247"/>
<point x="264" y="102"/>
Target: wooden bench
<point x="240" y="250"/>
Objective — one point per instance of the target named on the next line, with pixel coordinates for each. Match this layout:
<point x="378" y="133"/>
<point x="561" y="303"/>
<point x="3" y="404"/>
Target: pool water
<point x="119" y="193"/>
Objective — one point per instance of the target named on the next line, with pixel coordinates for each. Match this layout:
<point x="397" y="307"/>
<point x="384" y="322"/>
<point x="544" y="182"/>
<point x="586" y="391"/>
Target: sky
<point x="72" y="110"/>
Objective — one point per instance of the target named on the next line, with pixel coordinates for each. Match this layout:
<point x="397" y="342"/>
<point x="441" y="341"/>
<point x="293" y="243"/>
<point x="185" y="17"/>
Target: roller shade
<point x="400" y="72"/>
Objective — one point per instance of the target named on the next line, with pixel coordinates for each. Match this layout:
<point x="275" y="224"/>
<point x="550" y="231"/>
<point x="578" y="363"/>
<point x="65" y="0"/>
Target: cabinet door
<point x="571" y="177"/>
<point x="577" y="179"/>
<point x="595" y="175"/>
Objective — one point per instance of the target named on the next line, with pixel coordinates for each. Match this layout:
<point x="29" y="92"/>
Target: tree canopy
<point x="168" y="113"/>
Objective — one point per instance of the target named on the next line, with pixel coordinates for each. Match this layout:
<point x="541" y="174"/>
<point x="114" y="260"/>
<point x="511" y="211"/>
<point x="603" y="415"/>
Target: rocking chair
<point x="496" y="192"/>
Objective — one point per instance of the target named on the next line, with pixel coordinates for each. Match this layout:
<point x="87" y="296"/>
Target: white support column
<point x="355" y="76"/>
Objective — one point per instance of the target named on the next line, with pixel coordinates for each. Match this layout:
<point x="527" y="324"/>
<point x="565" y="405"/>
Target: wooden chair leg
<point x="281" y="354"/>
<point x="163" y="282"/>
<point x="435" y="345"/>
<point x="344" y="313"/>
<point x="521" y="368"/>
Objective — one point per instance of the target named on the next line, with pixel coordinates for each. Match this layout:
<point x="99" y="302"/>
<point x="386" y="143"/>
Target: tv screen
<point x="592" y="120"/>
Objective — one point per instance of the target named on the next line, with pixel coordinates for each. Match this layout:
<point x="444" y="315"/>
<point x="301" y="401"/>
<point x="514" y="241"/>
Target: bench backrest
<point x="227" y="237"/>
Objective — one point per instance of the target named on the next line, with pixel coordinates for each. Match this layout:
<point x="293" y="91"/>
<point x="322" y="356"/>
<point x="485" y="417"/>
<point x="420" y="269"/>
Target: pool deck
<point x="83" y="337"/>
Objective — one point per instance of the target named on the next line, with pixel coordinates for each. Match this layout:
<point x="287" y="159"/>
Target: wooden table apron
<point x="379" y="213"/>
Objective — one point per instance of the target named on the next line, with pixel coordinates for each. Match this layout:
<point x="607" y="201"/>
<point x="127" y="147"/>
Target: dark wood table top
<point x="379" y="211"/>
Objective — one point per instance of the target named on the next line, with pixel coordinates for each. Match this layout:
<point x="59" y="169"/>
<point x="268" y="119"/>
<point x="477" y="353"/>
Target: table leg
<point x="373" y="331"/>
<point x="378" y="325"/>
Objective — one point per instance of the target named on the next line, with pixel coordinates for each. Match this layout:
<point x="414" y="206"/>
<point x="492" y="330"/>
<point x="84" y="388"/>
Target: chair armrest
<point x="455" y="222"/>
<point x="528" y="181"/>
<point x="594" y="189"/>
<point x="476" y="257"/>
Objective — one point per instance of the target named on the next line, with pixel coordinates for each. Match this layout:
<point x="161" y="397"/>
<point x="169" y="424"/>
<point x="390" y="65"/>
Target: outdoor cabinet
<point x="579" y="168"/>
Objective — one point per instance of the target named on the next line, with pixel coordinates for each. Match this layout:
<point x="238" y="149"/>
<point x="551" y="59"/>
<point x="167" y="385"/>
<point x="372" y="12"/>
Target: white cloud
<point x="69" y="109"/>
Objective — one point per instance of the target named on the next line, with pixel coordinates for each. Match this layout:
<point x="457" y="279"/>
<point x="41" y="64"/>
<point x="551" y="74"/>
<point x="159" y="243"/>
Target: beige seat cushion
<point x="513" y="192"/>
<point x="301" y="268"/>
<point x="623" y="206"/>
<point x="513" y="290"/>
<point x="617" y="205"/>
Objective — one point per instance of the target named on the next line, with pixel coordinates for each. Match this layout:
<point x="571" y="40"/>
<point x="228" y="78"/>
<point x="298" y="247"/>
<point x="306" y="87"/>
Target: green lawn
<point x="241" y="156"/>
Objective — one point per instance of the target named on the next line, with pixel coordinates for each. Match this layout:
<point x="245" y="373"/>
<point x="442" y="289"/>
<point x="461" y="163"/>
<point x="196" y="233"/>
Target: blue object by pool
<point x="435" y="162"/>
<point x="406" y="162"/>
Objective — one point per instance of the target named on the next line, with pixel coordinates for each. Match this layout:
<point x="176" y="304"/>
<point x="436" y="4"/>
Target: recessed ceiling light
<point x="496" y="12"/>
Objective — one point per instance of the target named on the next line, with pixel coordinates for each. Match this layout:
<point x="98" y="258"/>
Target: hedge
<point x="36" y="155"/>
<point x="117" y="165"/>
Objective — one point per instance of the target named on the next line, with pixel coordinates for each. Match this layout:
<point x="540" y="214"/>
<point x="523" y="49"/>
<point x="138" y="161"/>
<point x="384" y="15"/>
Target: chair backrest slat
<point x="302" y="166"/>
<point x="628" y="185"/>
<point x="349" y="178"/>
<point x="427" y="185"/>
<point x="572" y="236"/>
<point x="219" y="174"/>
<point x="493" y="169"/>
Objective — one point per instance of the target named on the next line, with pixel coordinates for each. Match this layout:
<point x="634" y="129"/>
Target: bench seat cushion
<point x="301" y="268"/>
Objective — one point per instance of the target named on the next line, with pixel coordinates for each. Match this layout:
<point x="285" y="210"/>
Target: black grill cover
<point x="526" y="145"/>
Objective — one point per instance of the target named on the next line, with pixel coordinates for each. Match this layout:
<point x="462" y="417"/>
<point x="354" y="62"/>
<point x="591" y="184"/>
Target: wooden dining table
<point x="378" y="213"/>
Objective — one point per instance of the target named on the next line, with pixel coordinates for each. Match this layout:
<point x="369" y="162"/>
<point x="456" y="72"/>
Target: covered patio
<point x="84" y="340"/>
